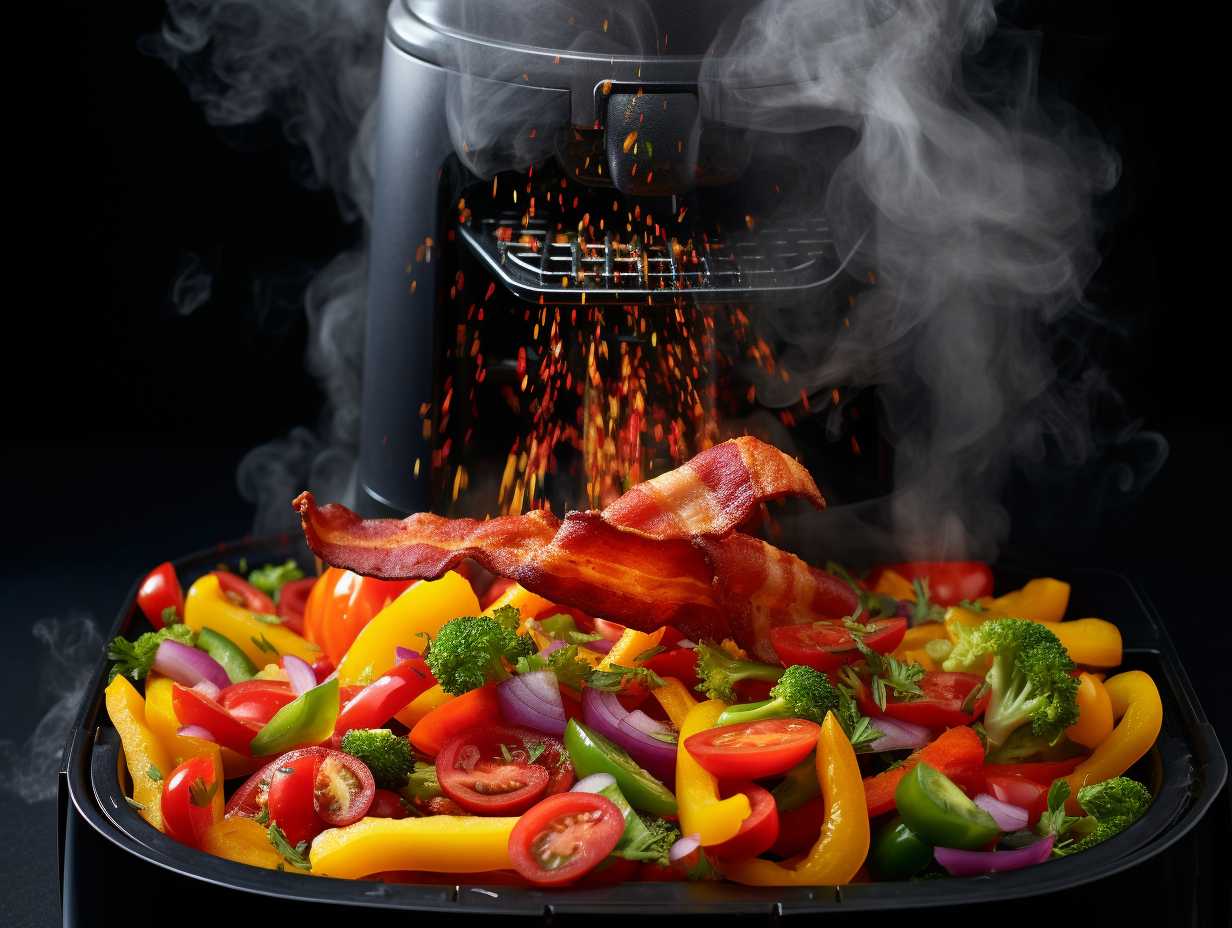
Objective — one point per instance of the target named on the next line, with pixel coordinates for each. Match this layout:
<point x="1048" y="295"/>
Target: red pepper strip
<point x="1042" y="772"/>
<point x="193" y="708"/>
<point x="714" y="492"/>
<point x="377" y="703"/>
<point x="680" y="663"/>
<point x="958" y="753"/>
<point x="478" y="707"/>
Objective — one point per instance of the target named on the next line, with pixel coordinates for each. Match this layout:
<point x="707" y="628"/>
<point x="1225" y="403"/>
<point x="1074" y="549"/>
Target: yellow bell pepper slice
<point x="245" y="842"/>
<point x="675" y="699"/>
<point x="205" y="606"/>
<point x="1092" y="642"/>
<point x="843" y="844"/>
<point x="438" y="843"/>
<point x="1094" y="713"/>
<point x="147" y="760"/>
<point x="702" y="812"/>
<point x="1041" y="600"/>
<point x="921" y="657"/>
<point x="527" y="603"/>
<point x="161" y="719"/>
<point x="1139" y="712"/>
<point x="920" y="635"/>
<point x="629" y="646"/>
<point x="424" y="607"/>
<point x="892" y="583"/>
<point x="421" y="705"/>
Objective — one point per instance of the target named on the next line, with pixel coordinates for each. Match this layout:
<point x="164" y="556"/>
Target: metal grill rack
<point x="534" y="260"/>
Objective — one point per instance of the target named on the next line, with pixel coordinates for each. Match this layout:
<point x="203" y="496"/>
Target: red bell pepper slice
<point x="1042" y="772"/>
<point x="376" y="703"/>
<point x="958" y="753"/>
<point x="193" y="708"/>
<point x="680" y="663"/>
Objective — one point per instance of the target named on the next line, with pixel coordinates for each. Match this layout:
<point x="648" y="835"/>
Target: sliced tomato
<point x="388" y="804"/>
<point x="252" y="796"/>
<point x="160" y="590"/>
<point x="758" y="831"/>
<point x="565" y="837"/>
<point x="291" y="797"/>
<point x="750" y="751"/>
<point x="800" y="828"/>
<point x="680" y="663"/>
<point x="488" y="770"/>
<point x="186" y="801"/>
<point x="344" y="789"/>
<point x="949" y="582"/>
<point x="375" y="704"/>
<point x="828" y="645"/>
<point x="941" y="706"/>
<point x="243" y="593"/>
<point x="256" y="701"/>
<point x="1042" y="772"/>
<point x="194" y="708"/>
<point x="1021" y="792"/>
<point x="292" y="600"/>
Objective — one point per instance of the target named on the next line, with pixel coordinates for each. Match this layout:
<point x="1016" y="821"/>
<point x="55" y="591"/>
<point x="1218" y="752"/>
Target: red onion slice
<point x="976" y="863"/>
<point x="684" y="847"/>
<point x="1008" y="817"/>
<point x="604" y="713"/>
<point x="404" y="654"/>
<point x="299" y="673"/>
<point x="602" y="645"/>
<point x="188" y="666"/>
<point x="197" y="731"/>
<point x="896" y="735"/>
<point x="533" y="700"/>
<point x="595" y="783"/>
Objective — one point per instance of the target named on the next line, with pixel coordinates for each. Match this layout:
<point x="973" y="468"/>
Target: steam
<point x="73" y="644"/>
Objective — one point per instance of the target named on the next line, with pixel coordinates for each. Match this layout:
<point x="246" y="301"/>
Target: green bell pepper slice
<point x="898" y="853"/>
<point x="798" y="786"/>
<point x="228" y="654"/>
<point x="307" y="719"/>
<point x="592" y="753"/>
<point x="940" y="813"/>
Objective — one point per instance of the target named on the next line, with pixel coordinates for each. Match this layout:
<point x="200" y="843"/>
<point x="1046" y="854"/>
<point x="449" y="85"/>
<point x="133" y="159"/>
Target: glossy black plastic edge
<point x="1186" y="790"/>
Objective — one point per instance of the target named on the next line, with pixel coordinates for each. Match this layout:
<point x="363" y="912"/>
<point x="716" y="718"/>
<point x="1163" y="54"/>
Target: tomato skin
<point x="758" y="832"/>
<point x="158" y="591"/>
<point x="949" y="582"/>
<point x="376" y="703"/>
<point x="752" y="750"/>
<point x="193" y="708"/>
<point x="939" y="707"/>
<point x="828" y="645"/>
<point x="1021" y="792"/>
<point x="598" y="823"/>
<point x="800" y="828"/>
<point x="292" y="791"/>
<point x="387" y="804"/>
<point x="248" y="801"/>
<point x="473" y="764"/>
<point x="256" y="701"/>
<point x="243" y="593"/>
<point x="292" y="600"/>
<point x="185" y="820"/>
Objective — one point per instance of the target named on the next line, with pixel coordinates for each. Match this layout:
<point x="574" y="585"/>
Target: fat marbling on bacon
<point x="664" y="553"/>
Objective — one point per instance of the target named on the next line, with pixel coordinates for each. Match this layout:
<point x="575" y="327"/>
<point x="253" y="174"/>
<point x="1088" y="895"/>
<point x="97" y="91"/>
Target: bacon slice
<point x="714" y="492"/>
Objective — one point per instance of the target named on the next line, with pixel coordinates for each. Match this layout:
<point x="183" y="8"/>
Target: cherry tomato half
<point x="752" y="750"/>
<point x="255" y="701"/>
<point x="941" y="706"/>
<point x="243" y="593"/>
<point x="949" y="582"/>
<point x="388" y="804"/>
<point x="828" y="645"/>
<point x="158" y="591"/>
<point x="344" y="789"/>
<point x="488" y="771"/>
<point x="315" y="788"/>
<point x="565" y="837"/>
<point x="187" y="795"/>
<point x="252" y="796"/>
<point x="290" y="799"/>
<point x="758" y="831"/>
<point x="1021" y="792"/>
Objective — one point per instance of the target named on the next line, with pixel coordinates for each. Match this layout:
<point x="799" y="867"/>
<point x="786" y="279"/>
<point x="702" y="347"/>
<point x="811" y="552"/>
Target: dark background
<point x="124" y="420"/>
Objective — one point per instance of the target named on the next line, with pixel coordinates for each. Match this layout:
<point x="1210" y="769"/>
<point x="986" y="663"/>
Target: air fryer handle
<point x="651" y="139"/>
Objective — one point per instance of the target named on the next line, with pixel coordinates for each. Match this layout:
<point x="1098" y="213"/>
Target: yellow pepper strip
<point x="892" y="583"/>
<point x="1041" y="600"/>
<point x="629" y="645"/>
<point x="843" y="844"/>
<point x="424" y="607"/>
<point x="421" y="705"/>
<point x="205" y="606"/>
<point x="1094" y="713"/>
<point x="245" y="842"/>
<point x="702" y="812"/>
<point x="675" y="699"/>
<point x="920" y="635"/>
<point x="160" y="718"/>
<point x="527" y="603"/>
<point x="148" y="761"/>
<point x="1137" y="707"/>
<point x="438" y="843"/>
<point x="1092" y="642"/>
<point x="921" y="657"/>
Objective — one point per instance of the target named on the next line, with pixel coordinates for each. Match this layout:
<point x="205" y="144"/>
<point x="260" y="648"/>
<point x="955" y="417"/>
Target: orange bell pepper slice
<point x="455" y="716"/>
<point x="957" y="752"/>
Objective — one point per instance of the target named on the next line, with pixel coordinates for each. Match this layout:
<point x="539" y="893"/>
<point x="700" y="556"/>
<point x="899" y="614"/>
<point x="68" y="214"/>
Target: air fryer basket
<point x="1185" y="771"/>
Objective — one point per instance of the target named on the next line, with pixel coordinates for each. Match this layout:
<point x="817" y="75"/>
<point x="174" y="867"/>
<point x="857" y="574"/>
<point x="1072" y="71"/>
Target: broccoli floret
<point x="1111" y="807"/>
<point x="1029" y="677"/>
<point x="387" y="755"/>
<point x="718" y="672"/>
<point x="422" y="783"/>
<point x="273" y="577"/>
<point x="801" y="693"/>
<point x="134" y="659"/>
<point x="472" y="650"/>
<point x="563" y="662"/>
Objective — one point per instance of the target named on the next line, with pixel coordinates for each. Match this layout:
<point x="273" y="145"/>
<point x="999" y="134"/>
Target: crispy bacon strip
<point x="714" y="492"/>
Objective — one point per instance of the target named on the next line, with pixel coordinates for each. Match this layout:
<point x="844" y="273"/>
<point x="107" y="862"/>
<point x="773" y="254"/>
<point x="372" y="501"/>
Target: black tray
<point x="1185" y="771"/>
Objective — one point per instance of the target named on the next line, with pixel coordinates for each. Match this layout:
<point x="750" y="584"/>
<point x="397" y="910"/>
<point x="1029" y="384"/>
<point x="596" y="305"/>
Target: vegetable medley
<point x="414" y="731"/>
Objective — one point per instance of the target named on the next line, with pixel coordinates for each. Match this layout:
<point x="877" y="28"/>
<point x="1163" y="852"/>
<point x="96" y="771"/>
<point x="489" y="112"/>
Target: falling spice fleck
<point x="630" y="141"/>
<point x="605" y="25"/>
